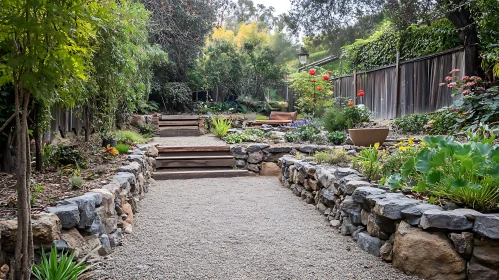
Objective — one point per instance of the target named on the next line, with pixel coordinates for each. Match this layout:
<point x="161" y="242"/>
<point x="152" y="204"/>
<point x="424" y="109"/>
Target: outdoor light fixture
<point x="302" y="56"/>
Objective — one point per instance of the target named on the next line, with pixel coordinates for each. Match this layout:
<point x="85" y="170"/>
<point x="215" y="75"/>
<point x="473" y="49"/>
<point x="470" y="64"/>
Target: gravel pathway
<point x="236" y="228"/>
<point x="203" y="140"/>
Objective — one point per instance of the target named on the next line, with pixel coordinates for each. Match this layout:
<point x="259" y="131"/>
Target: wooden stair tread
<point x="189" y="174"/>
<point x="178" y="123"/>
<point x="193" y="157"/>
<point x="174" y="149"/>
<point x="183" y="127"/>
<point x="179" y="117"/>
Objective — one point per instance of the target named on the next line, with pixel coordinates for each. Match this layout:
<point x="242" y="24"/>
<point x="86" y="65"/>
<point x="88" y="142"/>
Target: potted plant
<point x="367" y="136"/>
<point x="109" y="138"/>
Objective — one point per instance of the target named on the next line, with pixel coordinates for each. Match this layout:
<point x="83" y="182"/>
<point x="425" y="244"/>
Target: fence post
<point x="354" y="81"/>
<point x="397" y="84"/>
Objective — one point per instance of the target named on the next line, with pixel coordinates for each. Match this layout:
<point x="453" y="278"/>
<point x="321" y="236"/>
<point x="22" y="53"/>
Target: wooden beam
<point x="174" y="149"/>
<point x="179" y="127"/>
<point x="179" y="117"/>
<point x="205" y="163"/>
<point x="174" y="175"/>
<point x="183" y="122"/>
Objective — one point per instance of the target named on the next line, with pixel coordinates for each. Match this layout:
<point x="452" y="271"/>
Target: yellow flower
<point x="376" y="146"/>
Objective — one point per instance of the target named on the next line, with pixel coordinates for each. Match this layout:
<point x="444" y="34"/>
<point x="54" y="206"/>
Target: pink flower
<point x="442" y="84"/>
<point x="451" y="85"/>
<point x="448" y="78"/>
<point x="480" y="88"/>
<point x="470" y="84"/>
<point x="454" y="71"/>
<point x="476" y="78"/>
<point x="465" y="78"/>
<point x="466" y="91"/>
<point x="453" y="109"/>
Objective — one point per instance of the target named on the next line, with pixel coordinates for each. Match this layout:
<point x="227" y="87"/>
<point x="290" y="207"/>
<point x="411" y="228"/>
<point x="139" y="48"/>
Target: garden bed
<point x="419" y="238"/>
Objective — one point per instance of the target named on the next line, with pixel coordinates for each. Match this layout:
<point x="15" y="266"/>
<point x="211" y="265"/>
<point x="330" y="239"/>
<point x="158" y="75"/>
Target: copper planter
<point x="368" y="136"/>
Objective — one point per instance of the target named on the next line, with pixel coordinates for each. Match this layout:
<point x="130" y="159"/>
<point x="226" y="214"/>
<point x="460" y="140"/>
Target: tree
<point x="46" y="58"/>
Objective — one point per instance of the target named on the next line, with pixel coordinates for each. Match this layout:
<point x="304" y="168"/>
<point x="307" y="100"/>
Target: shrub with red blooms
<point x="312" y="72"/>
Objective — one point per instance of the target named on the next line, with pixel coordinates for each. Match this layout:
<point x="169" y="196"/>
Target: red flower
<point x="312" y="72"/>
<point x="360" y="93"/>
<point x="325" y="77"/>
<point x="319" y="88"/>
<point x="330" y="72"/>
<point x="350" y="103"/>
<point x="313" y="81"/>
<point x="453" y="109"/>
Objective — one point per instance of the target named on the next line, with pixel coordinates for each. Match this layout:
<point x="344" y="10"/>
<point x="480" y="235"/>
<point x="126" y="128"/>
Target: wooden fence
<point x="404" y="88"/>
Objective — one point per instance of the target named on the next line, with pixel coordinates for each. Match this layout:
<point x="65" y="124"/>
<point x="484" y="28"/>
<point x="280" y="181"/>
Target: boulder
<point x="487" y="225"/>
<point x="137" y="120"/>
<point x="325" y="177"/>
<point x="374" y="229"/>
<point x="253" y="167"/>
<point x="75" y="242"/>
<point x="477" y="271"/>
<point x="239" y="152"/>
<point x="270" y="169"/>
<point x="275" y="150"/>
<point x="369" y="243"/>
<point x="486" y="253"/>
<point x="413" y="214"/>
<point x="133" y="168"/>
<point x="347" y="228"/>
<point x="458" y="219"/>
<point x="386" y="251"/>
<point x="152" y="151"/>
<point x="308" y="149"/>
<point x="240" y="163"/>
<point x="257" y="147"/>
<point x="343" y="172"/>
<point x="68" y="214"/>
<point x="415" y="252"/>
<point x="86" y="206"/>
<point x="371" y="200"/>
<point x="335" y="223"/>
<point x="327" y="197"/>
<point x="308" y="197"/>
<point x="116" y="238"/>
<point x="352" y="210"/>
<point x="342" y="182"/>
<point x="127" y="209"/>
<point x="297" y="189"/>
<point x="105" y="248"/>
<point x="45" y="227"/>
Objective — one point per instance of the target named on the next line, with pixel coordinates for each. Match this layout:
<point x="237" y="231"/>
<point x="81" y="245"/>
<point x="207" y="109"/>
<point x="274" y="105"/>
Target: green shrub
<point x="337" y="119"/>
<point x="337" y="137"/>
<point x="412" y="123"/>
<point x="147" y="130"/>
<point x="256" y="132"/>
<point x="250" y="135"/>
<point x="337" y="157"/>
<point x="130" y="137"/>
<point x="76" y="182"/>
<point x="291" y="137"/>
<point x="404" y="150"/>
<point x="69" y="155"/>
<point x="176" y="97"/>
<point x="465" y="173"/>
<point x="59" y="268"/>
<point x="220" y="126"/>
<point x="123" y="148"/>
<point x="442" y="122"/>
<point x="261" y="118"/>
<point x="369" y="162"/>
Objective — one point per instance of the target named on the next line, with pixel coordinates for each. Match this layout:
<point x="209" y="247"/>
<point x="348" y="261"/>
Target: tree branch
<point x="8" y="121"/>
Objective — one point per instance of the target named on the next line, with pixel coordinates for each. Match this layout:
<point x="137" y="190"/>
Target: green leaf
<point x="434" y="177"/>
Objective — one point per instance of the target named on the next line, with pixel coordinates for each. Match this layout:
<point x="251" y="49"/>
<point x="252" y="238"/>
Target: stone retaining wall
<point x="263" y="158"/>
<point x="94" y="221"/>
<point x="416" y="237"/>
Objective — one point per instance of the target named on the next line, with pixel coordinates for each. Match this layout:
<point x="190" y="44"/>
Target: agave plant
<point x="62" y="268"/>
<point x="220" y="126"/>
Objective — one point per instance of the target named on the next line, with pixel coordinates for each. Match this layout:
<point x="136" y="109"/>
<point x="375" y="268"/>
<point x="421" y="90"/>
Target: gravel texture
<point x="236" y="228"/>
<point x="203" y="140"/>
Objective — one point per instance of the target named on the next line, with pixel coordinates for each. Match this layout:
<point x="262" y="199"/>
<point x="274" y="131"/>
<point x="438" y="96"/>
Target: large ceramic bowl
<point x="368" y="136"/>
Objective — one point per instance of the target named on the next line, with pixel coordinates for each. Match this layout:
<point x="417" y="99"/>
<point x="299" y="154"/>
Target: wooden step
<point x="179" y="132"/>
<point x="176" y="149"/>
<point x="184" y="127"/>
<point x="177" y="123"/>
<point x="179" y="117"/>
<point x="195" y="161"/>
<point x="174" y="175"/>
<point x="201" y="153"/>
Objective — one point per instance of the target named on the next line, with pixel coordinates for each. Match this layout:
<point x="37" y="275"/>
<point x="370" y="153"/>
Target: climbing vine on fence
<point x="380" y="49"/>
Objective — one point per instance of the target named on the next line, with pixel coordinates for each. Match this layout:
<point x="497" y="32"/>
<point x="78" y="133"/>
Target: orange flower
<point x="330" y="72"/>
<point x="360" y="93"/>
<point x="350" y="103"/>
<point x="319" y="88"/>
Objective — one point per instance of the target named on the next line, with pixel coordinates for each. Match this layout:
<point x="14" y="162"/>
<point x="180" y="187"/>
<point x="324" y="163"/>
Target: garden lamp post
<point x="303" y="55"/>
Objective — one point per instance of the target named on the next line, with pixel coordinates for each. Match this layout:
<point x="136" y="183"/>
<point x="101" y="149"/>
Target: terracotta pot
<point x="368" y="136"/>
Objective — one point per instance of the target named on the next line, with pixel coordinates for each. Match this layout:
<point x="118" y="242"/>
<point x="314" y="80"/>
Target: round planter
<point x="368" y="136"/>
<point x="110" y="142"/>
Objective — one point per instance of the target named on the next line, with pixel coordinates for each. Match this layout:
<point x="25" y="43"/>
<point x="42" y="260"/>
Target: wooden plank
<point x="174" y="149"/>
<point x="178" y="117"/>
<point x="186" y="122"/>
<point x="178" y="132"/>
<point x="228" y="162"/>
<point x="179" y="128"/>
<point x="272" y="121"/>
<point x="175" y="157"/>
<point x="175" y="175"/>
<point x="202" y="153"/>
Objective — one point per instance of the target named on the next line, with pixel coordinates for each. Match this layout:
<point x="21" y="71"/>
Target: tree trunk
<point x="463" y="20"/>
<point x="38" y="140"/>
<point x="22" y="255"/>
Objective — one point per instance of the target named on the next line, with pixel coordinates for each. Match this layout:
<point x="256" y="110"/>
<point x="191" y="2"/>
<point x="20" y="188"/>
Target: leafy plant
<point x="369" y="162"/>
<point x="306" y="86"/>
<point x="250" y="135"/>
<point x="36" y="190"/>
<point x="147" y="130"/>
<point x="465" y="173"/>
<point x="76" y="181"/>
<point x="220" y="126"/>
<point x="69" y="155"/>
<point x="404" y="150"/>
<point x="411" y="123"/>
<point x="337" y="137"/>
<point x="123" y="148"/>
<point x="442" y="121"/>
<point x="337" y="119"/>
<point x="261" y="118"/>
<point x="337" y="157"/>
<point x="59" y="268"/>
<point x="130" y="137"/>
<point x="291" y="137"/>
